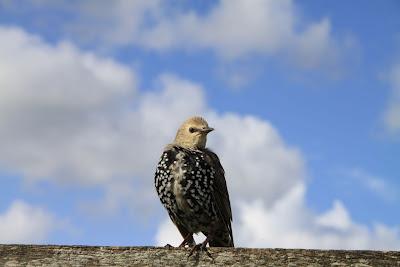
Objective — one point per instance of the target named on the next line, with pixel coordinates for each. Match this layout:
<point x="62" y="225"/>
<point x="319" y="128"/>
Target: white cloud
<point x="167" y="233"/>
<point x="266" y="180"/>
<point x="336" y="218"/>
<point x="289" y="223"/>
<point x="76" y="118"/>
<point x="23" y="223"/>
<point x="232" y="29"/>
<point x="73" y="117"/>
<point x="392" y="112"/>
<point x="118" y="22"/>
<point x="56" y="108"/>
<point x="257" y="161"/>
<point x="238" y="28"/>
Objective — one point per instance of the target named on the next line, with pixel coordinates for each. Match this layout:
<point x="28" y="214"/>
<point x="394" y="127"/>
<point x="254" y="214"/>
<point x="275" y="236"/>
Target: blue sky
<point x="304" y="96"/>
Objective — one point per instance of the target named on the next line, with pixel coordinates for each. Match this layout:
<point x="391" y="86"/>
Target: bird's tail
<point x="221" y="240"/>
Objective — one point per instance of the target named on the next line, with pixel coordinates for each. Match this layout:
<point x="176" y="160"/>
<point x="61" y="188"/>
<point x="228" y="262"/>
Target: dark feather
<point x="221" y="194"/>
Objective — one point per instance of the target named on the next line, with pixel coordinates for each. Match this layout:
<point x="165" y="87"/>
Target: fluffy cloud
<point x="231" y="28"/>
<point x="289" y="223"/>
<point x="392" y="113"/>
<point x="73" y="114"/>
<point x="73" y="117"/>
<point x="238" y="28"/>
<point x="266" y="180"/>
<point x="23" y="223"/>
<point x="267" y="184"/>
<point x="258" y="163"/>
<point x="69" y="116"/>
<point x="55" y="107"/>
<point x="118" y="22"/>
<point x="168" y="234"/>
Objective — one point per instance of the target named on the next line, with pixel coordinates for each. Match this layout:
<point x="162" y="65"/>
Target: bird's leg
<point x="201" y="247"/>
<point x="186" y="240"/>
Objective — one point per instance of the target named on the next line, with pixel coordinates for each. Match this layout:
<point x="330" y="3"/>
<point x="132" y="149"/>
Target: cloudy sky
<point x="304" y="96"/>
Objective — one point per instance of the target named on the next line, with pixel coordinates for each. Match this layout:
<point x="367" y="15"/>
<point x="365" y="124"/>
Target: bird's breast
<point x="179" y="171"/>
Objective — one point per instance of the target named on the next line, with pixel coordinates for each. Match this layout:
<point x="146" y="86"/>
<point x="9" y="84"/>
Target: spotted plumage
<point x="191" y="185"/>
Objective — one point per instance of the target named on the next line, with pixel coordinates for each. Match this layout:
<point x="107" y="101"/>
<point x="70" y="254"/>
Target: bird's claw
<point x="200" y="248"/>
<point x="188" y="240"/>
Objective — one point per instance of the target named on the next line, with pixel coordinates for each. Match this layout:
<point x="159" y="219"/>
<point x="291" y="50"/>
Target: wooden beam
<point x="48" y="255"/>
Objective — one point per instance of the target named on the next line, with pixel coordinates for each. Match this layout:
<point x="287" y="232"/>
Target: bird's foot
<point x="202" y="247"/>
<point x="188" y="240"/>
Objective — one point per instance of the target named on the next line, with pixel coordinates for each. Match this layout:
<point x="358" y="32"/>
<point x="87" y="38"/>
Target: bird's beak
<point x="207" y="130"/>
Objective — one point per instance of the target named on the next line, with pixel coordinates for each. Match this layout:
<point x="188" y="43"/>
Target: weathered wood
<point x="47" y="255"/>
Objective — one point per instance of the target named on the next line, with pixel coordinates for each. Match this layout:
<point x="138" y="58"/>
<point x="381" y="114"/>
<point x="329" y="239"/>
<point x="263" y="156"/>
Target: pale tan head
<point x="193" y="133"/>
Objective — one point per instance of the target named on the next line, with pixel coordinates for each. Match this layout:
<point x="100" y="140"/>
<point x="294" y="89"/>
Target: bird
<point x="190" y="182"/>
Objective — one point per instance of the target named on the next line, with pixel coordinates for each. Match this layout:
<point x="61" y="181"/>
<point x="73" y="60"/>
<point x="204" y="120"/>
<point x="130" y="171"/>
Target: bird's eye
<point x="192" y="130"/>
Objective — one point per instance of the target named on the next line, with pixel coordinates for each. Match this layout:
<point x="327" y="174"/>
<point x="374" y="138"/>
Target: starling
<point x="190" y="183"/>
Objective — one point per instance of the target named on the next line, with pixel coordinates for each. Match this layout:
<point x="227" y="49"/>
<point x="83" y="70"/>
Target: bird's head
<point x="193" y="133"/>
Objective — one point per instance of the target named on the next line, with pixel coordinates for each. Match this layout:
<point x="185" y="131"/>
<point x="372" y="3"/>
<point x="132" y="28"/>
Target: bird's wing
<point x="221" y="194"/>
